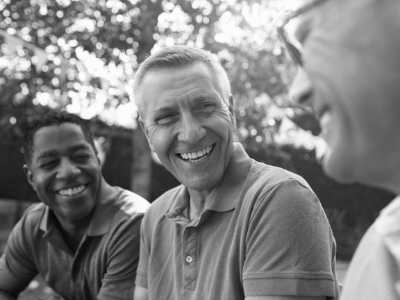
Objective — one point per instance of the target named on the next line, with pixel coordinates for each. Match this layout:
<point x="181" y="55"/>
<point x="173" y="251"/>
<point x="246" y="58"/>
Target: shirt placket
<point x="190" y="257"/>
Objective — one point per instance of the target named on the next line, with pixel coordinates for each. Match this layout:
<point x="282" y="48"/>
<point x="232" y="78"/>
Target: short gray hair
<point x="179" y="56"/>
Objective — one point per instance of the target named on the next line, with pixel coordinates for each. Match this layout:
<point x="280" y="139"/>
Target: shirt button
<point x="189" y="259"/>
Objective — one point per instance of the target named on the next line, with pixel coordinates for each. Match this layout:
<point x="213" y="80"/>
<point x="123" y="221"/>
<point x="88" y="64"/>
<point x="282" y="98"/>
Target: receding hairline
<point x="218" y="83"/>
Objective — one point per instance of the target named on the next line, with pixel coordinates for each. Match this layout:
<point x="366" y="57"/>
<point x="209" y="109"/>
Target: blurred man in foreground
<point x="235" y="228"/>
<point x="351" y="76"/>
<point x="83" y="238"/>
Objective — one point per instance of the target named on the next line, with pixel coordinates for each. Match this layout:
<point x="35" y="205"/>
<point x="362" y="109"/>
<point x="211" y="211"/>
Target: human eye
<point x="165" y="119"/>
<point x="48" y="164"/>
<point x="207" y="107"/>
<point x="81" y="156"/>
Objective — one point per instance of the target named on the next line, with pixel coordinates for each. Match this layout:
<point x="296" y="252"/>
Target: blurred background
<point x="81" y="56"/>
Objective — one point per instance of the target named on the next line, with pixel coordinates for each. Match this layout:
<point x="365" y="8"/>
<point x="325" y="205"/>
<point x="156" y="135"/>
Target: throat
<point x="73" y="233"/>
<point x="198" y="203"/>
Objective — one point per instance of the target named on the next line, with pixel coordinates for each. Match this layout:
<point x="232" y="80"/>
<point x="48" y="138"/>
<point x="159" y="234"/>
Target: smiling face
<point x="188" y="124"/>
<point x="64" y="171"/>
<point x="351" y="78"/>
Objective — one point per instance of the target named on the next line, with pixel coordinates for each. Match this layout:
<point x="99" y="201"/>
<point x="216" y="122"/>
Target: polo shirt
<point x="263" y="234"/>
<point x="374" y="271"/>
<point x="104" y="265"/>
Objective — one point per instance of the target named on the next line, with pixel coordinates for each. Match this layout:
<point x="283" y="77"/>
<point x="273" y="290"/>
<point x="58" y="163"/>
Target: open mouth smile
<point x="197" y="155"/>
<point x="70" y="192"/>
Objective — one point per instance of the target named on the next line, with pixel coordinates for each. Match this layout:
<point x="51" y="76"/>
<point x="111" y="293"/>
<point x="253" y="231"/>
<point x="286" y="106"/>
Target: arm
<point x="141" y="293"/>
<point x="141" y="288"/>
<point x="290" y="247"/>
<point x="6" y="296"/>
<point x="17" y="267"/>
<point x="122" y="260"/>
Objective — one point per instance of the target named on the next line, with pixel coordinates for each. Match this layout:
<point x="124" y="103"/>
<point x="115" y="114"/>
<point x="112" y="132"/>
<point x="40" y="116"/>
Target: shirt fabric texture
<point x="264" y="233"/>
<point x="374" y="272"/>
<point x="104" y="265"/>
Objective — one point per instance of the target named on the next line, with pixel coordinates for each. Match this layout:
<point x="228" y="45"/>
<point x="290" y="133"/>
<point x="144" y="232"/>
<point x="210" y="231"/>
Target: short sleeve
<point x="141" y="277"/>
<point x="118" y="281"/>
<point x="290" y="247"/>
<point x="17" y="267"/>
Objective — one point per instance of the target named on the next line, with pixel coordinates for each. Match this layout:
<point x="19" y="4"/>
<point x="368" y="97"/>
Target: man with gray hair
<point x="235" y="228"/>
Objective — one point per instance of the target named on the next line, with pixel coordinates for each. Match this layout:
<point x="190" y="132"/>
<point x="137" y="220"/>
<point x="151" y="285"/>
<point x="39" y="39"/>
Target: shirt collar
<point x="388" y="226"/>
<point x="102" y="214"/>
<point x="388" y="220"/>
<point x="45" y="222"/>
<point x="181" y="202"/>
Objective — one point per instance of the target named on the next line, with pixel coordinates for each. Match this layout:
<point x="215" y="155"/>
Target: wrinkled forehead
<point x="178" y="82"/>
<point x="176" y="79"/>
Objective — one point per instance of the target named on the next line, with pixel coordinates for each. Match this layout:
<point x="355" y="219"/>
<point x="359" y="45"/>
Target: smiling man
<point x="83" y="238"/>
<point x="350" y="73"/>
<point x="234" y="228"/>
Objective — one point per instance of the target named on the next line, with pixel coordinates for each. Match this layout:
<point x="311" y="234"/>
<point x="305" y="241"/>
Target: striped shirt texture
<point x="374" y="270"/>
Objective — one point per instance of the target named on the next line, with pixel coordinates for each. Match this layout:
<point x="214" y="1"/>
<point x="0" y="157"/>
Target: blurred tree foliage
<point x="93" y="48"/>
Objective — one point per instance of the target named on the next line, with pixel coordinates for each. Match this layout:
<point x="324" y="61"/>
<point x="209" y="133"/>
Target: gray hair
<point x="179" y="56"/>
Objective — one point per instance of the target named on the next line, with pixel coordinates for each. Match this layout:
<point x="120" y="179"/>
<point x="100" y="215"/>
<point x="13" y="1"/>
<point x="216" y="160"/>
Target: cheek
<point x="161" y="141"/>
<point x="40" y="182"/>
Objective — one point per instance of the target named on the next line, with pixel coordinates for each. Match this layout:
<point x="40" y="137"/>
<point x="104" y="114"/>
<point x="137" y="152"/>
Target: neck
<point x="199" y="201"/>
<point x="73" y="232"/>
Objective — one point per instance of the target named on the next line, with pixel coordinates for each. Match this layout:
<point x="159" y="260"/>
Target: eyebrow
<point x="164" y="109"/>
<point x="198" y="99"/>
<point x="203" y="98"/>
<point x="47" y="154"/>
<point x="53" y="153"/>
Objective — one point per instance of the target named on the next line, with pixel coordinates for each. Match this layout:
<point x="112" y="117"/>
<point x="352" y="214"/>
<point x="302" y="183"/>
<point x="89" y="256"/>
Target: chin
<point x="337" y="169"/>
<point x="200" y="185"/>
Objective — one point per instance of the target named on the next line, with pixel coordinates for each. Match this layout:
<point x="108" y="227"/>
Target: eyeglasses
<point x="294" y="51"/>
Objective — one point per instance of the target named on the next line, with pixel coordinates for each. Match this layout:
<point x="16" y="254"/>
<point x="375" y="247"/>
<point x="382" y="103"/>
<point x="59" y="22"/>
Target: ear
<point x="146" y="132"/>
<point x="231" y="106"/>
<point x="29" y="176"/>
<point x="232" y="110"/>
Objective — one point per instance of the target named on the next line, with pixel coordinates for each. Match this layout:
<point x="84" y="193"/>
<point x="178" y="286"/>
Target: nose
<point x="302" y="89"/>
<point x="67" y="170"/>
<point x="191" y="130"/>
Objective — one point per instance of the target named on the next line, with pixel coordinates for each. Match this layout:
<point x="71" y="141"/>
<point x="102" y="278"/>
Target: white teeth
<point x="196" y="155"/>
<point x="71" y="191"/>
<point x="325" y="120"/>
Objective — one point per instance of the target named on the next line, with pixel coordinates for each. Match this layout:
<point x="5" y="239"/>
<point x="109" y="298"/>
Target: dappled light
<point x="82" y="56"/>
